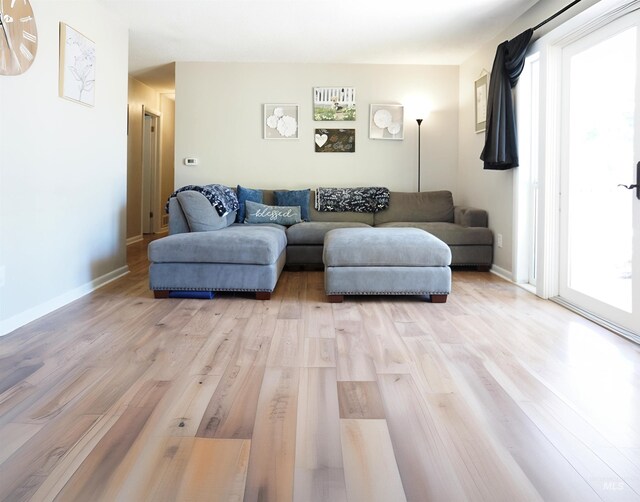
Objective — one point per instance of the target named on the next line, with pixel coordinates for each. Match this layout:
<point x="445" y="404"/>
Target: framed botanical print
<point x="77" y="72"/>
<point x="481" y="94"/>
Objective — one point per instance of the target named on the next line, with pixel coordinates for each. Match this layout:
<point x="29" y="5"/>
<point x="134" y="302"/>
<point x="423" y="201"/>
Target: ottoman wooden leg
<point x="161" y="293"/>
<point x="335" y="298"/>
<point x="263" y="295"/>
<point x="439" y="298"/>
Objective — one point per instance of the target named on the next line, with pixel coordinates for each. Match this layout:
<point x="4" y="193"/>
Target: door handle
<point x="636" y="186"/>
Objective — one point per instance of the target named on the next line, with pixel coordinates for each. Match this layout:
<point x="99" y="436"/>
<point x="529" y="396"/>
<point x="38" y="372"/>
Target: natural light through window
<point x="602" y="104"/>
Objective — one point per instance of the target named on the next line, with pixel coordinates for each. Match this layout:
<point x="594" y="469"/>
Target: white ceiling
<point x="307" y="31"/>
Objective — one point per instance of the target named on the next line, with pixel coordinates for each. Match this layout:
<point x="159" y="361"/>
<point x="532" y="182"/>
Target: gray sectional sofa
<point x="245" y="257"/>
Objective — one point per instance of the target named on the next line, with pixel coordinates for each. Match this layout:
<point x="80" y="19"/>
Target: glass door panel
<point x="600" y="137"/>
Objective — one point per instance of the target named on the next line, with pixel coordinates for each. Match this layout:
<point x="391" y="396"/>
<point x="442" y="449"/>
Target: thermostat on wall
<point x="190" y="161"/>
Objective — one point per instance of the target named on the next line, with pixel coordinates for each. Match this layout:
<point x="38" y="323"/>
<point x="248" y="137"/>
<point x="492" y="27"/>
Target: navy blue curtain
<point x="501" y="138"/>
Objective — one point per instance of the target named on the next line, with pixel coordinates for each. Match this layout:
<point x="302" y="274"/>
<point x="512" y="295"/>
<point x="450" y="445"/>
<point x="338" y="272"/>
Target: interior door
<point x="599" y="250"/>
<point x="149" y="172"/>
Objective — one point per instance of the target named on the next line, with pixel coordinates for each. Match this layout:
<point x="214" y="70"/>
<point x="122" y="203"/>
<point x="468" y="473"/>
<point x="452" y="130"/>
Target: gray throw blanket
<point x="357" y="200"/>
<point x="222" y="198"/>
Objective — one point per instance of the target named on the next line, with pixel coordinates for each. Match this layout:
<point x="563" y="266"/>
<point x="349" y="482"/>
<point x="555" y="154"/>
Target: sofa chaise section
<point x="235" y="258"/>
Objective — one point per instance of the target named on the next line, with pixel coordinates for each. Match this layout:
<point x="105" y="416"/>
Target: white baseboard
<point x="502" y="273"/>
<point x="134" y="239"/>
<point x="19" y="320"/>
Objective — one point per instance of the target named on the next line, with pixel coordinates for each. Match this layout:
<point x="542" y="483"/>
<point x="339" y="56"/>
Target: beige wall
<point x="167" y="108"/>
<point x="219" y="121"/>
<point x="493" y="190"/>
<point x="141" y="97"/>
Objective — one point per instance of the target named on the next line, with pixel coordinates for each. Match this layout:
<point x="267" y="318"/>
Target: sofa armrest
<point x="177" y="220"/>
<point x="470" y="216"/>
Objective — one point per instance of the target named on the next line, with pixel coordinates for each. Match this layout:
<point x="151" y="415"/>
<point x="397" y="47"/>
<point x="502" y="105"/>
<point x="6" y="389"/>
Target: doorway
<point x="150" y="173"/>
<point x="599" y="262"/>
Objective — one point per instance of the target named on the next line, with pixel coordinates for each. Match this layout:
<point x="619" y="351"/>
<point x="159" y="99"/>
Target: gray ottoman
<point x="386" y="261"/>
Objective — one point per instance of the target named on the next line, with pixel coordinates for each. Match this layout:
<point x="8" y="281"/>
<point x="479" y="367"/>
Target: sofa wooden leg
<point x="335" y="298"/>
<point x="161" y="293"/>
<point x="263" y="295"/>
<point x="439" y="298"/>
<point x="483" y="268"/>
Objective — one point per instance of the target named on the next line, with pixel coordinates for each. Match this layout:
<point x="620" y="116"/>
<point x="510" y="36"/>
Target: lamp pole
<point x="419" y="121"/>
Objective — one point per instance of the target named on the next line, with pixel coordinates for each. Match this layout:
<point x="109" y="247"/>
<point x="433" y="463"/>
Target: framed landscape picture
<point x="386" y="122"/>
<point x="335" y="140"/>
<point x="334" y="103"/>
<point x="280" y="121"/>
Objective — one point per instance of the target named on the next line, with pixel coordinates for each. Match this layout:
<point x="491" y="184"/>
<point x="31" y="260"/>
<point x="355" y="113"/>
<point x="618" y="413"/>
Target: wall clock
<point x="18" y="36"/>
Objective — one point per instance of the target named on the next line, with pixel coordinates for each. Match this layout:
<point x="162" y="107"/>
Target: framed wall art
<point x="335" y="140"/>
<point x="77" y="72"/>
<point x="481" y="93"/>
<point x="386" y="122"/>
<point x="334" y="103"/>
<point x="280" y="121"/>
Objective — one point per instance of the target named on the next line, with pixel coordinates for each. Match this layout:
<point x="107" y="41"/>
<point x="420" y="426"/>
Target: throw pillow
<point x="200" y="214"/>
<point x="295" y="198"/>
<point x="244" y="194"/>
<point x="282" y="215"/>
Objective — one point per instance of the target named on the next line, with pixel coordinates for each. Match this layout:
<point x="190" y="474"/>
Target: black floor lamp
<point x="419" y="121"/>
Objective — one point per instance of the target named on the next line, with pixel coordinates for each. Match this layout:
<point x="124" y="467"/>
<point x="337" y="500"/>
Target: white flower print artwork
<point x="387" y="122"/>
<point x="280" y="121"/>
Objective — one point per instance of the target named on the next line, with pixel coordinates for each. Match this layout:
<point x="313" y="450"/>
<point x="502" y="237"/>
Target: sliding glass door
<point x="600" y="221"/>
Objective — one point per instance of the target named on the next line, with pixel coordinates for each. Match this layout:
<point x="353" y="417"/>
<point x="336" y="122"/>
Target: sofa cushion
<point x="313" y="232"/>
<point x="244" y="194"/>
<point x="259" y="245"/>
<point x="261" y="213"/>
<point x="420" y="206"/>
<point x="294" y="198"/>
<point x="452" y="234"/>
<point x="384" y="247"/>
<point x="201" y="216"/>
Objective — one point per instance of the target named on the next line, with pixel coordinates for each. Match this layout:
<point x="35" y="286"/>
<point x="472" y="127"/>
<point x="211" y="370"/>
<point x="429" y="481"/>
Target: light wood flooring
<point x="495" y="395"/>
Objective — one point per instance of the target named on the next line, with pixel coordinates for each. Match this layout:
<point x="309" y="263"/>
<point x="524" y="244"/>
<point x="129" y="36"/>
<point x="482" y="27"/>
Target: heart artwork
<point x="321" y="139"/>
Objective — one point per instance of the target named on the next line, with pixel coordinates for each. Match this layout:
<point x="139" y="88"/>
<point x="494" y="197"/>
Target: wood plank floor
<point x="495" y="395"/>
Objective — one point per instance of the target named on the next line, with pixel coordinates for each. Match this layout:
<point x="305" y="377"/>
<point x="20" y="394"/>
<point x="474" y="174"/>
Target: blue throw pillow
<point x="295" y="198"/>
<point x="282" y="215"/>
<point x="245" y="194"/>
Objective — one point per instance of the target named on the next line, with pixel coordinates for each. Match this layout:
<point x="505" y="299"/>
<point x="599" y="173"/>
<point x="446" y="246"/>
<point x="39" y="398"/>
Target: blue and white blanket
<point x="357" y="200"/>
<point x="221" y="197"/>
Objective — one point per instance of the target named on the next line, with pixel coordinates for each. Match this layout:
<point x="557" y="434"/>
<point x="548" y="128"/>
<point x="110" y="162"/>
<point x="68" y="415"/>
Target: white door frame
<point x="523" y="180"/>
